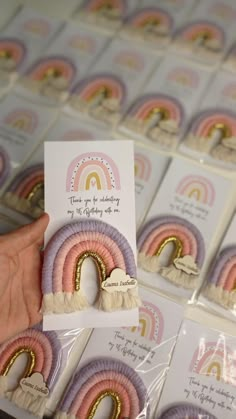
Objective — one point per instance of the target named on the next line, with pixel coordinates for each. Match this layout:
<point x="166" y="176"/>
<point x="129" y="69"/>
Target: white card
<point x="112" y="83"/>
<point x="51" y="77"/>
<point x="205" y="361"/>
<point x="149" y="168"/>
<point x="211" y="134"/>
<point x="197" y="198"/>
<point x="22" y="126"/>
<point x="146" y="348"/>
<point x="160" y="113"/>
<point x="102" y="194"/>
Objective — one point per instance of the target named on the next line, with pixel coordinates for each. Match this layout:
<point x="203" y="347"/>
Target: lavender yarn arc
<point x="6" y="166"/>
<point x="57" y="361"/>
<point x="71" y="229"/>
<point x="156" y="222"/>
<point x="99" y="366"/>
<point x="219" y="263"/>
<point x="184" y="411"/>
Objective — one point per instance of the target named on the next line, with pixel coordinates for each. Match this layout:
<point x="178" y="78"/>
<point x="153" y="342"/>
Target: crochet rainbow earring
<point x="43" y="351"/>
<point x="63" y="260"/>
<point x="188" y="254"/>
<point x="104" y="378"/>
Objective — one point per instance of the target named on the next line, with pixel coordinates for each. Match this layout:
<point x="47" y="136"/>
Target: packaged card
<point x="211" y="133"/>
<point x="153" y="23"/>
<point x="8" y="10"/>
<point x="112" y="83"/>
<point x="149" y="168"/>
<point x="107" y="15"/>
<point x="128" y="366"/>
<point x="174" y="241"/>
<point x="207" y="35"/>
<point x="218" y="292"/>
<point x="161" y="111"/>
<point x="22" y="126"/>
<point x="89" y="272"/>
<point x="52" y="76"/>
<point x="205" y="360"/>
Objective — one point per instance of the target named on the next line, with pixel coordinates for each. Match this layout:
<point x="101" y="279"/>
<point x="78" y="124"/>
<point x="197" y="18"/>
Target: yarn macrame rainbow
<point x="5" y="166"/>
<point x="101" y="378"/>
<point x="26" y="192"/>
<point x="105" y="12"/>
<point x="51" y="76"/>
<point x="188" y="244"/>
<point x="151" y="322"/>
<point x="12" y="54"/>
<point x="150" y="23"/>
<point x="63" y="259"/>
<point x="101" y="95"/>
<point x="156" y="116"/>
<point x="43" y="351"/>
<point x="214" y="359"/>
<point x="205" y="37"/>
<point x="182" y="410"/>
<point x="221" y="282"/>
<point x="214" y="131"/>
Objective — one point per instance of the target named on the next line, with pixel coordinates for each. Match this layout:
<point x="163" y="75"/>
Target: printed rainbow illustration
<point x="197" y="187"/>
<point x="187" y="245"/>
<point x="5" y="166"/>
<point x="214" y="131"/>
<point x="26" y="192"/>
<point x="44" y="356"/>
<point x="37" y="26"/>
<point x="12" y="55"/>
<point x="202" y="37"/>
<point x="184" y="76"/>
<point x="214" y="359"/>
<point x="151" y="322"/>
<point x="142" y="167"/>
<point x="156" y="116"/>
<point x="100" y="95"/>
<point x="83" y="43"/>
<point x="77" y="134"/>
<point x="22" y="119"/>
<point x="130" y="59"/>
<point x="152" y="24"/>
<point x="101" y="378"/>
<point x="93" y="170"/>
<point x="63" y="259"/>
<point x="221" y="282"/>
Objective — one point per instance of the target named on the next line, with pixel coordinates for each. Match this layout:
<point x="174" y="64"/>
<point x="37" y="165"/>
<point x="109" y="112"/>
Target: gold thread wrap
<point x="30" y="365"/>
<point x="98" y="262"/>
<point x="34" y="191"/>
<point x="116" y="404"/>
<point x="223" y="128"/>
<point x="162" y="111"/>
<point x="177" y="252"/>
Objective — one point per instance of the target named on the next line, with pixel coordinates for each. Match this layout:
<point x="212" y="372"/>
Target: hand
<point x="20" y="277"/>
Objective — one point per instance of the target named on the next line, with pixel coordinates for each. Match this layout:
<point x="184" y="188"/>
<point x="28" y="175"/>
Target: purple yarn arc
<point x="101" y="365"/>
<point x="71" y="229"/>
<point x="184" y="411"/>
<point x="6" y="168"/>
<point x="219" y="263"/>
<point x="23" y="176"/>
<point x="156" y="222"/>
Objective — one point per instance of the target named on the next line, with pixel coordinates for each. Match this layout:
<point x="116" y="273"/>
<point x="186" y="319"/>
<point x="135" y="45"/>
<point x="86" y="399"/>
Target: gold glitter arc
<point x="98" y="262"/>
<point x="104" y="91"/>
<point x="178" y="247"/>
<point x="205" y="35"/>
<point x="30" y="365"/>
<point x="116" y="404"/>
<point x="225" y="130"/>
<point x="164" y="114"/>
<point x="37" y="188"/>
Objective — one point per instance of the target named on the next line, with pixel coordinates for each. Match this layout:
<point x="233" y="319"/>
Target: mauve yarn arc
<point x="185" y="411"/>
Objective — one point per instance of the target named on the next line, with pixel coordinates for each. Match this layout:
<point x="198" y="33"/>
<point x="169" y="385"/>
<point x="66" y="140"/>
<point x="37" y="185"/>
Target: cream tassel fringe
<point x="64" y="302"/>
<point x="148" y="263"/>
<point x="25" y="400"/>
<point x="3" y="385"/>
<point x="64" y="415"/>
<point x="179" y="277"/>
<point x="220" y="296"/>
<point x="119" y="300"/>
